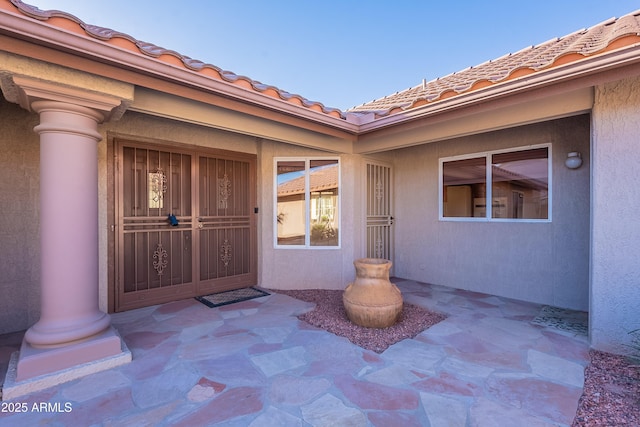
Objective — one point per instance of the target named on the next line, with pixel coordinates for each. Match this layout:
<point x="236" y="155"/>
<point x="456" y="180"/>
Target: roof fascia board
<point x="60" y="58"/>
<point x="190" y="111"/>
<point x="42" y="34"/>
<point x="59" y="38"/>
<point x="478" y="119"/>
<point x="589" y="66"/>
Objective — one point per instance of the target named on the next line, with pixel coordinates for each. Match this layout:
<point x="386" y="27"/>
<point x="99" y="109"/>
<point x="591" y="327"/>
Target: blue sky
<point x="343" y="52"/>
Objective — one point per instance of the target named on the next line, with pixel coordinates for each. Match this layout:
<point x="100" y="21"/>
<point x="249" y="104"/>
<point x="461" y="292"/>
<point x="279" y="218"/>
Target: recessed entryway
<point x="185" y="223"/>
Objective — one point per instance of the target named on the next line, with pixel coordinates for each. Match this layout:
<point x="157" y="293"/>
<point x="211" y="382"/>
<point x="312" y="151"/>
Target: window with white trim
<point x="307" y="207"/>
<point x="505" y="185"/>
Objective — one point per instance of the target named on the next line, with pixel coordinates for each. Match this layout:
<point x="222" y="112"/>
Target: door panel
<point x="159" y="259"/>
<point x="210" y="252"/>
<point x="226" y="225"/>
<point x="379" y="219"/>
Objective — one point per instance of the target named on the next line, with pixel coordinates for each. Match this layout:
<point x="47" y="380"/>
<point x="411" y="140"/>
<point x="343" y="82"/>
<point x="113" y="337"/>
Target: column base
<point x="33" y="369"/>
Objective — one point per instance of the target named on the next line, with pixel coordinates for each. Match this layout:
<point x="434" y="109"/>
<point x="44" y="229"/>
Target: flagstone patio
<point x="255" y="364"/>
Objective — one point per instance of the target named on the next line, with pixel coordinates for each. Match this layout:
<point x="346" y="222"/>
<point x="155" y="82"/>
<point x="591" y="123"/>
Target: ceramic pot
<point x="372" y="300"/>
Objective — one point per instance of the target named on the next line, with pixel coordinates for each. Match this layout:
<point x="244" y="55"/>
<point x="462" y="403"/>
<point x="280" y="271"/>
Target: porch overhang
<point x="558" y="91"/>
<point x="478" y="118"/>
<point x="22" y="35"/>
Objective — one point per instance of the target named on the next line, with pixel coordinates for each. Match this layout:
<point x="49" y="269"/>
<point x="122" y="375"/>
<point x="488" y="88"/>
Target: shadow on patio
<point x="254" y="363"/>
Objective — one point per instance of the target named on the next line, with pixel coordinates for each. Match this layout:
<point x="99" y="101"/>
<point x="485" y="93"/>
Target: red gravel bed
<point x="611" y="394"/>
<point x="330" y="315"/>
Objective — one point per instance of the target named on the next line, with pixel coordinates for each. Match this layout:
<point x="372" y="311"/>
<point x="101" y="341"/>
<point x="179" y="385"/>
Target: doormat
<point x="566" y="320"/>
<point x="230" y="297"/>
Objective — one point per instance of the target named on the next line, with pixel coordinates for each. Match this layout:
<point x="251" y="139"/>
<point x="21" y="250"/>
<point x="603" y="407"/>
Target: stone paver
<point x="274" y="417"/>
<point x="536" y="396"/>
<point x="556" y="368"/>
<point x="395" y="376"/>
<point x="413" y="354"/>
<point x="329" y="411"/>
<point x="255" y="364"/>
<point x="171" y="384"/>
<point x="368" y="395"/>
<point x="485" y="413"/>
<point x="296" y="391"/>
<point x="280" y="361"/>
<point x="444" y="411"/>
<point x="462" y="368"/>
<point x="85" y="389"/>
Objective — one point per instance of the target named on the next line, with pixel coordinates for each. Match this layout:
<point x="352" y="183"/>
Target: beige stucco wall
<point x="287" y="268"/>
<point x="538" y="262"/>
<point x="143" y="127"/>
<point x="615" y="253"/>
<point x="19" y="221"/>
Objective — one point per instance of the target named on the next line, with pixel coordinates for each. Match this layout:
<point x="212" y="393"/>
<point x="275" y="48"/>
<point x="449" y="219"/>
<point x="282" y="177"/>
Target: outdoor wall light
<point x="574" y="160"/>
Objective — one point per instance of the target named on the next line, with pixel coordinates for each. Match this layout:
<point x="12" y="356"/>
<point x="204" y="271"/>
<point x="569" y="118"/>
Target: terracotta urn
<point x="372" y="300"/>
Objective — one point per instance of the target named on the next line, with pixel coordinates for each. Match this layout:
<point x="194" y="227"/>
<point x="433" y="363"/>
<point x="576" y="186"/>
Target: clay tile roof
<point x="604" y="37"/>
<point x="74" y="24"/>
<point x="321" y="179"/>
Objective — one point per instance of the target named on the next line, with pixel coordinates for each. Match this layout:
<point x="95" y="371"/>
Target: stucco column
<point x="68" y="225"/>
<point x="73" y="337"/>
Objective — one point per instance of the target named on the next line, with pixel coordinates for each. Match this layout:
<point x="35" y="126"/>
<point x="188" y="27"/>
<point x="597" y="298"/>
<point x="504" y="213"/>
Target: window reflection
<point x="307" y="202"/>
<point x="291" y="192"/>
<point x="323" y="210"/>
<point x="464" y="181"/>
<point x="520" y="184"/>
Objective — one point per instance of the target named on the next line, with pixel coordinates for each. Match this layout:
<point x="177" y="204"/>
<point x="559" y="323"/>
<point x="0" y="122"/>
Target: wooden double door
<point x="185" y="223"/>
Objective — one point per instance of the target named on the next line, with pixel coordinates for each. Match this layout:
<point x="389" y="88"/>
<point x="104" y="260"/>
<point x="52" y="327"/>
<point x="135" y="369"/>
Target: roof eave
<point x="59" y="38"/>
<point x="588" y="66"/>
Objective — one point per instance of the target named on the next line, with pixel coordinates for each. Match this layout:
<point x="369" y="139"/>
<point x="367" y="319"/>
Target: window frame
<point x="307" y="202"/>
<point x="489" y="185"/>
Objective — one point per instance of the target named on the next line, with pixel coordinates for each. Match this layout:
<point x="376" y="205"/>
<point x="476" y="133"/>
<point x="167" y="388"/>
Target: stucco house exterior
<point x="132" y="175"/>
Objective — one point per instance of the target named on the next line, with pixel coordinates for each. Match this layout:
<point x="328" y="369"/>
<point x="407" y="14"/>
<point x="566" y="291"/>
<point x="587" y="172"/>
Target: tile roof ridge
<point x="157" y="52"/>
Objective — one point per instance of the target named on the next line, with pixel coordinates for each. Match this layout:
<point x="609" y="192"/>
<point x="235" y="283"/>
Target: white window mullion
<point x="489" y="187"/>
<point x="307" y="203"/>
<point x="550" y="183"/>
